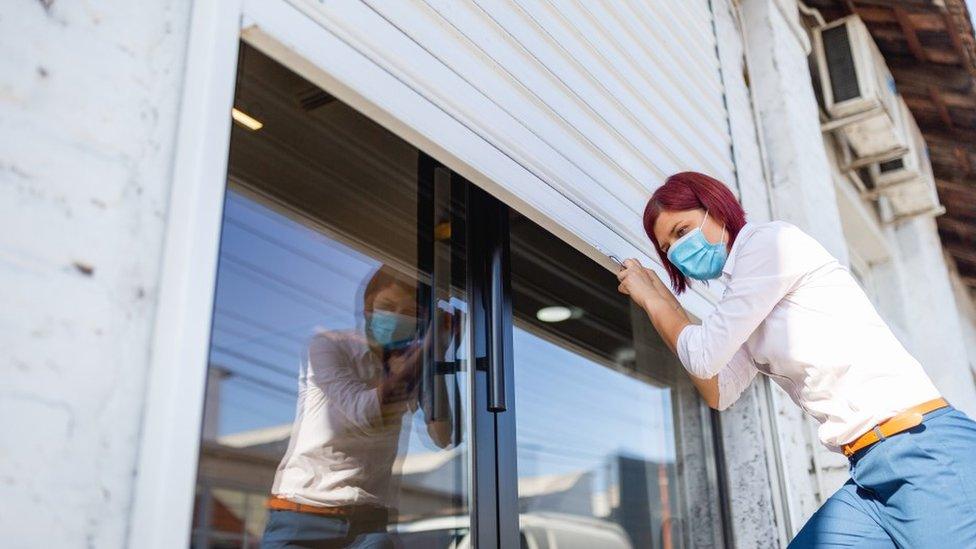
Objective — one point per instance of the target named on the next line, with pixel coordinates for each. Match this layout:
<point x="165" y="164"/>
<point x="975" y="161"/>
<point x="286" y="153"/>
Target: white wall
<point x="933" y="316"/>
<point x="966" y="303"/>
<point x="88" y="105"/>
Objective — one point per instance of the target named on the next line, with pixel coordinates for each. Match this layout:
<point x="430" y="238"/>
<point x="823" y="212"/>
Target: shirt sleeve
<point x="734" y="378"/>
<point x="331" y="370"/>
<point x="767" y="267"/>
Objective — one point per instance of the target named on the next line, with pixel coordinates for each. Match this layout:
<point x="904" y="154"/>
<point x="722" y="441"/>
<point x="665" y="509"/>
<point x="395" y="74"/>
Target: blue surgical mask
<point x="696" y="257"/>
<point x="391" y="330"/>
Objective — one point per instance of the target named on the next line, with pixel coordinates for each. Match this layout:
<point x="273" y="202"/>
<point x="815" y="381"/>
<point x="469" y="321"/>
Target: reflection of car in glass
<point x="538" y="531"/>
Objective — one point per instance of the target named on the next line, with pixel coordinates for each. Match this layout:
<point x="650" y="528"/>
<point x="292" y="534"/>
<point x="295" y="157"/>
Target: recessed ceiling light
<point x="554" y="314"/>
<point x="246" y="120"/>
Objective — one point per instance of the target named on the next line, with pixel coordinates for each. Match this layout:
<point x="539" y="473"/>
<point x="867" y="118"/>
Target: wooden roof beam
<point x="959" y="210"/>
<point x="920" y="5"/>
<point x="941" y="107"/>
<point x="956" y="137"/>
<point x="965" y="164"/>
<point x="960" y="252"/>
<point x="961" y="100"/>
<point x="911" y="74"/>
<point x="907" y="27"/>
<point x="888" y="38"/>
<point x="960" y="31"/>
<point x="957" y="190"/>
<point x="926" y="21"/>
<point x="959" y="228"/>
<point x="951" y="99"/>
<point x="954" y="35"/>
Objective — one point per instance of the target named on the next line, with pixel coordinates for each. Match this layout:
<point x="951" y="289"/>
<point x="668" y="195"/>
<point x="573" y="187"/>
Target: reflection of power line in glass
<point x="272" y="331"/>
<point x="554" y="454"/>
<point x="250" y="270"/>
<point x="283" y="245"/>
<point x="247" y="339"/>
<point x="539" y="439"/>
<point x="241" y="376"/>
<point x="291" y="374"/>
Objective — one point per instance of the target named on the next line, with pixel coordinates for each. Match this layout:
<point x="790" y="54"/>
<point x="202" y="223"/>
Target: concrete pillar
<point x="799" y="172"/>
<point x="802" y="192"/>
<point x="746" y="433"/>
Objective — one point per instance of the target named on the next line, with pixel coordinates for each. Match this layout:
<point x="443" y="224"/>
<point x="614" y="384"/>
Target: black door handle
<point x="491" y="304"/>
<point x="496" y="358"/>
<point x="500" y="310"/>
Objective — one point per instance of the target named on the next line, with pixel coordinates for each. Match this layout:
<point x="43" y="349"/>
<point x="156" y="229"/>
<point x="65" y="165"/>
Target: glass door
<point x="613" y="445"/>
<point x="338" y="406"/>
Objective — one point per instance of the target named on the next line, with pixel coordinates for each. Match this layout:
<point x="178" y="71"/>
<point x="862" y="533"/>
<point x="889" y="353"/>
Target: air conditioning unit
<point x="907" y="166"/>
<point x="857" y="86"/>
<point x="910" y="187"/>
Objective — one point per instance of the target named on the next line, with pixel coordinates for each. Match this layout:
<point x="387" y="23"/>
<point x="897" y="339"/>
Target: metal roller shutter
<point x="593" y="103"/>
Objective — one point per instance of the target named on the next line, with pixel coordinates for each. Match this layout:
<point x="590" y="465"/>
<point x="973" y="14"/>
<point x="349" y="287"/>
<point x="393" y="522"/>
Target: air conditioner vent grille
<point x="840" y="63"/>
<point x="891" y="165"/>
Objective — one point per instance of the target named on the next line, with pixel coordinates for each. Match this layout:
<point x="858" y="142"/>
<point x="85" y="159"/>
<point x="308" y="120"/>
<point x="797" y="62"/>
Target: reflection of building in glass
<point x="644" y="509"/>
<point x="235" y="471"/>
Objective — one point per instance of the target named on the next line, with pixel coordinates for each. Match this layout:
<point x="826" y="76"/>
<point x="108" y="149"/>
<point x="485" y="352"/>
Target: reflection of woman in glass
<point x="334" y="486"/>
<point x="791" y="311"/>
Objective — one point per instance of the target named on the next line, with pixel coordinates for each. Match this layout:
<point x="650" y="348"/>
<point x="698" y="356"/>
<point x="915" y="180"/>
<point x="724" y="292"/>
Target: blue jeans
<point x="288" y="529"/>
<point x="915" y="489"/>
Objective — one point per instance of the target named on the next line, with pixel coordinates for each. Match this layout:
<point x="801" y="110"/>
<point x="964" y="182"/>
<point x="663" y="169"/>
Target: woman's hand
<point x="641" y="284"/>
<point x="647" y="290"/>
<point x="403" y="371"/>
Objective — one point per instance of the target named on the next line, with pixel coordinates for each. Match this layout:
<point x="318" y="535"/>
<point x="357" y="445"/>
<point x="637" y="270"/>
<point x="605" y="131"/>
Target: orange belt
<point x="279" y="503"/>
<point x="902" y="422"/>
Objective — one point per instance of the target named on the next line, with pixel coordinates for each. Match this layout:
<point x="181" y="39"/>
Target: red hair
<point x="691" y="191"/>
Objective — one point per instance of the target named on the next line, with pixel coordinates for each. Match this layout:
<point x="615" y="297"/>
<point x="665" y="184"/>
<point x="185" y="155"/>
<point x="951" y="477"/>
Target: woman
<point x="792" y="312"/>
<point x="336" y="485"/>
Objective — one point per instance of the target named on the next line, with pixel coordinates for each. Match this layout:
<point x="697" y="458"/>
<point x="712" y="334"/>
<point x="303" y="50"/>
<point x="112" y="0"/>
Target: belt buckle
<point x="900" y="423"/>
<point x="913" y="419"/>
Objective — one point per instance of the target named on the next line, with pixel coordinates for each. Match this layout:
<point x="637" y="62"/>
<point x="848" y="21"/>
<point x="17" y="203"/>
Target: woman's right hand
<point x="641" y="284"/>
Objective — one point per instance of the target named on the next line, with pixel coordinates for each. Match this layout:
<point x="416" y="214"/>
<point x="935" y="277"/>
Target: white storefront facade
<point x="123" y="173"/>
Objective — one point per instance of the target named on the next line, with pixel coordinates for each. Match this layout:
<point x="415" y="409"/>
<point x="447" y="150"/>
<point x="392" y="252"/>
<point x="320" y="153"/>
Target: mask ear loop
<point x="722" y="240"/>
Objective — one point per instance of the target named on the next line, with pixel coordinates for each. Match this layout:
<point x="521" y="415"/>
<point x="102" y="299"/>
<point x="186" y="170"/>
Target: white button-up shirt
<point x="342" y="449"/>
<point x="791" y="311"/>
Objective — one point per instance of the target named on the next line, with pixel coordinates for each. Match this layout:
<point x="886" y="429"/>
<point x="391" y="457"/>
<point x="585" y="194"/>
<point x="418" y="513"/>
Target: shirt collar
<point x="744" y="232"/>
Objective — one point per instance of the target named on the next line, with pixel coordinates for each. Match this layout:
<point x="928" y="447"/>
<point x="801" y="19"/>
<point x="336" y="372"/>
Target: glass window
<point x="603" y="460"/>
<point x="334" y="404"/>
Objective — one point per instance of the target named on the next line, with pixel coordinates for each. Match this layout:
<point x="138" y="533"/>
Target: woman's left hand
<point x="639" y="283"/>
